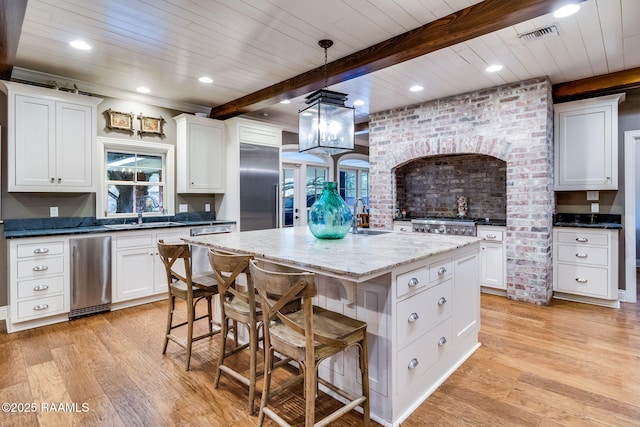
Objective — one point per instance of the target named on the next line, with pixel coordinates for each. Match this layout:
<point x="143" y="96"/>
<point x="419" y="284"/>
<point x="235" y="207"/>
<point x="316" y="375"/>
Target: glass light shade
<point x="327" y="125"/>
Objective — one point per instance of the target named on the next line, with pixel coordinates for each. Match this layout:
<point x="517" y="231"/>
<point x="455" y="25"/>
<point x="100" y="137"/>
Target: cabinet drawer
<point x="421" y="312"/>
<point x="440" y="270"/>
<point x="39" y="249"/>
<point x="40" y="287"/>
<point x="40" y="307"/>
<point x="32" y="268"/>
<point x="422" y="354"/>
<point x="493" y="235"/>
<point x="580" y="254"/>
<point x="411" y="281"/>
<point x="590" y="281"/>
<point x="135" y="241"/>
<point x="583" y="238"/>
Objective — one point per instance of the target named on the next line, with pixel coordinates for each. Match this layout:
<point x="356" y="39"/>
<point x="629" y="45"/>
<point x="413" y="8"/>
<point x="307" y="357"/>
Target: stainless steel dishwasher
<point x="90" y="275"/>
<point x="199" y="257"/>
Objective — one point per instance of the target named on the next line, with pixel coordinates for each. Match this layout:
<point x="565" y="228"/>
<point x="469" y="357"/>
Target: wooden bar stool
<point x="308" y="336"/>
<point x="191" y="289"/>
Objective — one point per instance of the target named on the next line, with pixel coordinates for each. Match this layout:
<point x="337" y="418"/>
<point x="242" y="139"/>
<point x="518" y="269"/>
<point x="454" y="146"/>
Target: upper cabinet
<point x="200" y="155"/>
<point x="586" y="144"/>
<point x="51" y="139"/>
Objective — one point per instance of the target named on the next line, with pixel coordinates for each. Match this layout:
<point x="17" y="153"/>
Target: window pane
<point x="149" y="168"/>
<point x="315" y="180"/>
<point x="348" y="186"/>
<point x="120" y="166"/>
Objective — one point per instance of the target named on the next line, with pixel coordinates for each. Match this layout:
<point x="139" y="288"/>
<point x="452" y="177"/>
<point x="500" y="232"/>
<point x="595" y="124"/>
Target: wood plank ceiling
<point x="261" y="51"/>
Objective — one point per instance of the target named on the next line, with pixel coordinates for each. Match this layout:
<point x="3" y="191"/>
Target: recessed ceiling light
<point x="493" y="68"/>
<point x="285" y="101"/>
<point x="416" y="88"/>
<point x="358" y="102"/>
<point x="205" y="79"/>
<point x="143" y="89"/>
<point x="566" y="10"/>
<point x="80" y="44"/>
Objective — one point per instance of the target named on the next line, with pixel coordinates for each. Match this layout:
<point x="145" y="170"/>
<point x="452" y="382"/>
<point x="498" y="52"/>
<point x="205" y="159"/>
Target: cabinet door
<point x="492" y="265"/>
<point x="33" y="165"/>
<point x="74" y="145"/>
<point x="136" y="273"/>
<point x="466" y="295"/>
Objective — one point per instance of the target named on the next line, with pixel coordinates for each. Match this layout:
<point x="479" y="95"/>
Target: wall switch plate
<point x="593" y="195"/>
<point x="53" y="211"/>
<point x="207" y="207"/>
<point x="183" y="208"/>
<point x="595" y="207"/>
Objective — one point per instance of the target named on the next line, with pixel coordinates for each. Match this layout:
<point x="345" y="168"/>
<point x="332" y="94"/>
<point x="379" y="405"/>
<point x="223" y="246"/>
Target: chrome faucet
<point x="139" y="217"/>
<point x="354" y="220"/>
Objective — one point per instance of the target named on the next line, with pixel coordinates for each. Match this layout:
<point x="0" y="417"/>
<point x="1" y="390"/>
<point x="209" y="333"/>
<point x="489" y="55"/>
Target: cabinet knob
<point x="491" y="236"/>
<point x="53" y="180"/>
<point x="59" y="180"/>
<point x="41" y="251"/>
<point x="581" y="255"/>
<point x="413" y="363"/>
<point x="40" y="307"/>
<point x="40" y="288"/>
<point x="442" y="341"/>
<point x="40" y="268"/>
<point x="413" y="282"/>
<point x="581" y="280"/>
<point x="413" y="317"/>
<point x="442" y="301"/>
<point x="582" y="239"/>
<point x="441" y="271"/>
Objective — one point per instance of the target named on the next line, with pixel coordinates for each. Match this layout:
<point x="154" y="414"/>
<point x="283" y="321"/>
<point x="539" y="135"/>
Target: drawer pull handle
<point x="442" y="341"/>
<point x="491" y="236"/>
<point x="413" y="364"/>
<point x="442" y="301"/>
<point x="413" y="317"/>
<point x="41" y="251"/>
<point x="41" y="307"/>
<point x="40" y="268"/>
<point x="441" y="271"/>
<point x="581" y="280"/>
<point x="41" y="288"/>
<point x="582" y="239"/>
<point x="413" y="282"/>
<point x="581" y="255"/>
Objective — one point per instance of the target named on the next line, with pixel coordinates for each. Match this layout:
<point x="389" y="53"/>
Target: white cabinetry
<point x="586" y="144"/>
<point x="200" y="155"/>
<point x="138" y="270"/>
<point x="492" y="257"/>
<point x="585" y="265"/>
<point x="51" y="139"/>
<point x="38" y="282"/>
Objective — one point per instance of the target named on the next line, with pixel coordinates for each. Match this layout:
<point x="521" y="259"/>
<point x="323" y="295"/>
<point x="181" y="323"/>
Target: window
<point x="354" y="180"/>
<point x="135" y="178"/>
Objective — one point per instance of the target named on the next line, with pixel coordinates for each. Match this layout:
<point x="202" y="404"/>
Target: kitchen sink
<point x="368" y="232"/>
<point x="137" y="226"/>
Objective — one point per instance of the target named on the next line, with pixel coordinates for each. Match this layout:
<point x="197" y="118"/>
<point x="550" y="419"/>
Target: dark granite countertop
<point x="478" y="221"/>
<point x="33" y="227"/>
<point x="588" y="220"/>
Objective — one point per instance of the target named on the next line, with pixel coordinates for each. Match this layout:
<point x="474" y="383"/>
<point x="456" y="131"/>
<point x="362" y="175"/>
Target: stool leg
<point x="253" y="356"/>
<point x="364" y="370"/>
<point x="310" y="387"/>
<point x="223" y="349"/>
<point x="172" y="304"/>
<point x="190" y="317"/>
<point x="266" y="385"/>
<point x="210" y="313"/>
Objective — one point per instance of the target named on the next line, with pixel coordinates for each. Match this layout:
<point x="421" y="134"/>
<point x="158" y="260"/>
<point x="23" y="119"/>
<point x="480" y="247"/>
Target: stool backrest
<point x="170" y="254"/>
<point x="227" y="267"/>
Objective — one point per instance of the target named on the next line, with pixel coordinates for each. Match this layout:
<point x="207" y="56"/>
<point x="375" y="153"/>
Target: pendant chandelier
<point x="326" y="125"/>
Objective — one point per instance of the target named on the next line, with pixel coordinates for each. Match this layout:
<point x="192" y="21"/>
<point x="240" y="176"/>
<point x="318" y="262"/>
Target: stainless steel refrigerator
<point x="259" y="187"/>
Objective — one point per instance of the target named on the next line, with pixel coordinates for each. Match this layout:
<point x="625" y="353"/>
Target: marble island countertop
<point x="355" y="257"/>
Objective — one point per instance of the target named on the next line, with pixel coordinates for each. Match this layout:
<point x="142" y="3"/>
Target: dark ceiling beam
<point x="474" y="21"/>
<point x="598" y="85"/>
<point x="11" y="18"/>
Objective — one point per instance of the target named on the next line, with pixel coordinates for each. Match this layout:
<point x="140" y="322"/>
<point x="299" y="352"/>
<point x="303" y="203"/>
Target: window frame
<point x="167" y="151"/>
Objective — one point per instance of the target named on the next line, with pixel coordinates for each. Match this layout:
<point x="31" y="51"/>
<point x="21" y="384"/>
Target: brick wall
<point x="512" y="123"/>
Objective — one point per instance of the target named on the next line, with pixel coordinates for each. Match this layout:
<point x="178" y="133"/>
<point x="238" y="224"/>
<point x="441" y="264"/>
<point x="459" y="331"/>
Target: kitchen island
<point x="419" y="294"/>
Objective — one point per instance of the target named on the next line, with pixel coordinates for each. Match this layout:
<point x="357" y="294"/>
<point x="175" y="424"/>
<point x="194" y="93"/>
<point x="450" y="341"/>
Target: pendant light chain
<point x="325" y="44"/>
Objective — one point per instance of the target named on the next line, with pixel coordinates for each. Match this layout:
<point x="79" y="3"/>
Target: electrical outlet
<point x="53" y="211"/>
<point x="207" y="207"/>
<point x="183" y="208"/>
<point x="593" y="195"/>
<point x="595" y="207"/>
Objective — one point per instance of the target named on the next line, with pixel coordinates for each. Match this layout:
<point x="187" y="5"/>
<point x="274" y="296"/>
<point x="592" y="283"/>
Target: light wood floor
<point x="569" y="364"/>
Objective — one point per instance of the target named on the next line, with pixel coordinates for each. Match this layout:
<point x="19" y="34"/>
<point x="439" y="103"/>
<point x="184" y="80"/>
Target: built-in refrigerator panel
<point x="259" y="187"/>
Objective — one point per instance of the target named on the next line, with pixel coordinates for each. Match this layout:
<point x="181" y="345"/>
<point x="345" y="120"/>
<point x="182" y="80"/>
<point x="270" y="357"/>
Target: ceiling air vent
<point x="539" y="34"/>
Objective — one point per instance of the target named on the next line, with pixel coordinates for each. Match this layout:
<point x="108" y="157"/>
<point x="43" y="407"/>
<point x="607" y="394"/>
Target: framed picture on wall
<point x="150" y="125"/>
<point x="119" y="121"/>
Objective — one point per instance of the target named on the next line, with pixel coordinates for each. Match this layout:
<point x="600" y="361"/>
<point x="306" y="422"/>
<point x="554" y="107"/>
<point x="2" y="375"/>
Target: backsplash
<point x="429" y="186"/>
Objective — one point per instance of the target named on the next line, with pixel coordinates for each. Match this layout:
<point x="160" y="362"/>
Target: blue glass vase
<point x="330" y="216"/>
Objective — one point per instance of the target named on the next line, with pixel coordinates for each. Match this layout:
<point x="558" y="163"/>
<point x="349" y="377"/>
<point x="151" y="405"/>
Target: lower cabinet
<point x="492" y="257"/>
<point x="585" y="265"/>
<point x="39" y="290"/>
<point x="138" y="270"/>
